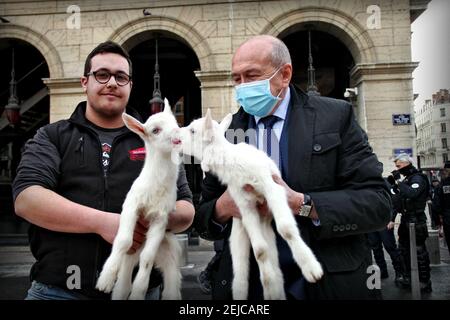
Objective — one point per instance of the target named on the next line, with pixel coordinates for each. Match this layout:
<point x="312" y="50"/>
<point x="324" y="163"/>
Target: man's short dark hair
<point x="106" y="47"/>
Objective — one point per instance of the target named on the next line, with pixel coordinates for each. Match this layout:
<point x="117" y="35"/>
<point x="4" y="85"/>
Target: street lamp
<point x="312" y="88"/>
<point x="156" y="103"/>
<point x="12" y="109"/>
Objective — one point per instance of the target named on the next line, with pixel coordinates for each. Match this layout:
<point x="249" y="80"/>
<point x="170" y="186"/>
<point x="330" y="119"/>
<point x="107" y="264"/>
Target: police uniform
<point x="413" y="192"/>
<point x="441" y="204"/>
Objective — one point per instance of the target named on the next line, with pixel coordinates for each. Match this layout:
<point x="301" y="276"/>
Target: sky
<point x="431" y="47"/>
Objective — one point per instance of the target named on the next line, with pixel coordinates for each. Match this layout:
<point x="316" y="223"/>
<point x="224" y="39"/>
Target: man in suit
<point x="332" y="179"/>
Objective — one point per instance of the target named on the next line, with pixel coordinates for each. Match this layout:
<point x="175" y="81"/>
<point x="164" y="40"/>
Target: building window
<point x="442" y="112"/>
<point x="443" y="127"/>
<point x="445" y="157"/>
<point x="444" y="143"/>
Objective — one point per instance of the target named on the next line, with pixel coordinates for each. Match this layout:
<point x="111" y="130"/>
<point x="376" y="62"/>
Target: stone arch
<point x="332" y="21"/>
<point x="185" y="33"/>
<point x="40" y="42"/>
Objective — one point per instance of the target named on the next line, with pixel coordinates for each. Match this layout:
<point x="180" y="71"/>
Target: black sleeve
<point x="212" y="189"/>
<point x="397" y="204"/>
<point x="415" y="190"/>
<point x="436" y="203"/>
<point x="360" y="202"/>
<point x="39" y="164"/>
<point x="183" y="192"/>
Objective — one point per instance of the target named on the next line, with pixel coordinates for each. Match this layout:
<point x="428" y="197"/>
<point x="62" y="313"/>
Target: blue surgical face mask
<point x="256" y="98"/>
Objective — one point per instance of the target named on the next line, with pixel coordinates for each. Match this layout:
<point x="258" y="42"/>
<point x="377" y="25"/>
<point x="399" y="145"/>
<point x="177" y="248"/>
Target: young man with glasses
<point x="73" y="178"/>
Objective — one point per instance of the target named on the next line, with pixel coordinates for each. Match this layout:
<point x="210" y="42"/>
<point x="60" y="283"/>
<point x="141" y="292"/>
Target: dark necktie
<point x="294" y="283"/>
<point x="270" y="141"/>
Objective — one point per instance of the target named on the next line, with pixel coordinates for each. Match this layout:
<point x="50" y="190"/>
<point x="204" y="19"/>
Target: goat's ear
<point x="225" y="123"/>
<point x="167" y="107"/>
<point x="134" y="125"/>
<point x="208" y="131"/>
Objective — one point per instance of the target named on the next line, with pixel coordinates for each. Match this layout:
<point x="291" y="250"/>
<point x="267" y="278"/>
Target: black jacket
<point x="66" y="157"/>
<point x="329" y="158"/>
<point x="414" y="192"/>
<point x="441" y="201"/>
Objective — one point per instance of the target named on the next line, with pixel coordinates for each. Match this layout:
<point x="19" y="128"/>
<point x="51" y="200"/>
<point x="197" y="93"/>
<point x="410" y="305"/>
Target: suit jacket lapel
<point x="300" y="122"/>
<point x="240" y="120"/>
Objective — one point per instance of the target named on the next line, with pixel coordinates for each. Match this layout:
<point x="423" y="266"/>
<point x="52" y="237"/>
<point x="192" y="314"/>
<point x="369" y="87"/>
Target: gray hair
<point x="404" y="157"/>
<point x="280" y="53"/>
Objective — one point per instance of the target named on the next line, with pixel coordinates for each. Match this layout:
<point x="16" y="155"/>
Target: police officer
<point x="441" y="203"/>
<point x="413" y="192"/>
<point x="434" y="215"/>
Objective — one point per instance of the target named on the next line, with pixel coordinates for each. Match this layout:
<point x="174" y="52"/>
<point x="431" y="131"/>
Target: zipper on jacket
<point x="80" y="149"/>
<point x="105" y="181"/>
<point x="96" y="274"/>
<point x="105" y="184"/>
<point x="105" y="174"/>
<point x="105" y="191"/>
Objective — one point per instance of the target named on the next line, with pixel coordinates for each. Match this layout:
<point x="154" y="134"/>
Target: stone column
<point x="385" y="89"/>
<point x="65" y="94"/>
<point x="217" y="93"/>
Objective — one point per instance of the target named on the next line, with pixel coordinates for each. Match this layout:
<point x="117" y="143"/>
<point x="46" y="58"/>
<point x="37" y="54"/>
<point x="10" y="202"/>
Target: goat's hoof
<point x="136" y="296"/>
<point x="119" y="296"/>
<point x="276" y="296"/>
<point x="172" y="296"/>
<point x="105" y="283"/>
<point x="312" y="271"/>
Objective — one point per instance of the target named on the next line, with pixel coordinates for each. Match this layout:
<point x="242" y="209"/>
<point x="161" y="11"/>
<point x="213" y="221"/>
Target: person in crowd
<point x="332" y="178"/>
<point x="441" y="203"/>
<point x="413" y="192"/>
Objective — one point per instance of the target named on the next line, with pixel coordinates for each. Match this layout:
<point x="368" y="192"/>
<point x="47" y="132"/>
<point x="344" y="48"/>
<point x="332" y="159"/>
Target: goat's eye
<point x="192" y="131"/>
<point x="156" y="130"/>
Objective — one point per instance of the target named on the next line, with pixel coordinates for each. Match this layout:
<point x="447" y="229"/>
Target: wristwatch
<point x="306" y="207"/>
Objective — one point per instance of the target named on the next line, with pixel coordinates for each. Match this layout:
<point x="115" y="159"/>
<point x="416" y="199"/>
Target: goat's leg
<point x="269" y="269"/>
<point x="270" y="273"/>
<point x="277" y="292"/>
<point x="122" y="287"/>
<point x="287" y="228"/>
<point x="122" y="243"/>
<point x="240" y="256"/>
<point x="154" y="236"/>
<point x="168" y="261"/>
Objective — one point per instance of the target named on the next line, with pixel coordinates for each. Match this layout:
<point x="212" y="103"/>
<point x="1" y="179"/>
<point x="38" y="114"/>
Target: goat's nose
<point x="176" y="141"/>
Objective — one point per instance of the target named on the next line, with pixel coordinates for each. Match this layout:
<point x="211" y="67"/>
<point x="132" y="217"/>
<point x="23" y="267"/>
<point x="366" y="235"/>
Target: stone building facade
<point x="433" y="131"/>
<point x="378" y="38"/>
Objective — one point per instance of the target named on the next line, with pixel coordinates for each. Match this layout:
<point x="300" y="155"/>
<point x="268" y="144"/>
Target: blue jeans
<point x="40" y="291"/>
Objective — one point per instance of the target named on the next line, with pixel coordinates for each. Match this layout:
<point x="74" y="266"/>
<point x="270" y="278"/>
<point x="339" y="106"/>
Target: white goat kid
<point x="237" y="165"/>
<point x="153" y="194"/>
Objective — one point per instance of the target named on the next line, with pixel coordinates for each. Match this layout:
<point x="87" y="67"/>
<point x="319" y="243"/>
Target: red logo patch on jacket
<point x="137" y="154"/>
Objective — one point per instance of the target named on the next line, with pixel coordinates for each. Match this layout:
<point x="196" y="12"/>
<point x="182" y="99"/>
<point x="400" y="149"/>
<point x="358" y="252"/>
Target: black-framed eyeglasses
<point x="103" y="76"/>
